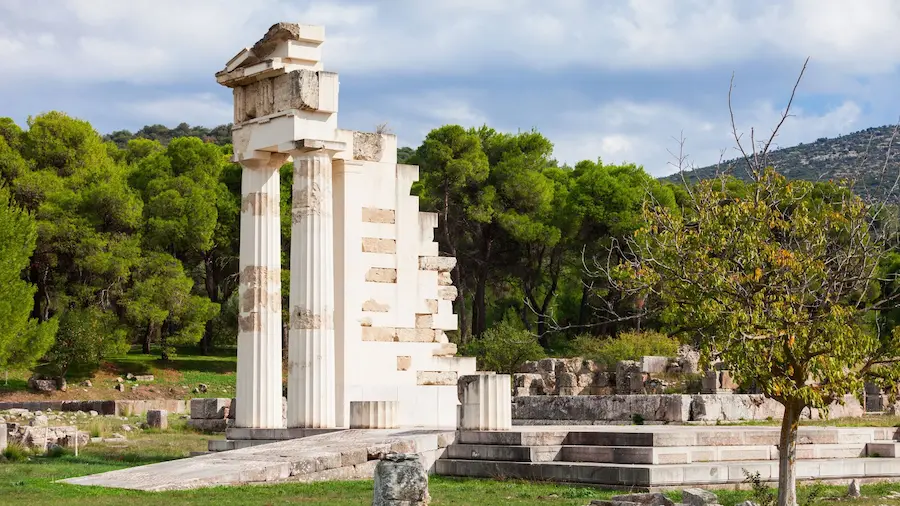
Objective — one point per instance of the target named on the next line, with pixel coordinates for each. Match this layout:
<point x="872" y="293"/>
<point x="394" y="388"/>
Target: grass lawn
<point x="173" y="379"/>
<point x="32" y="482"/>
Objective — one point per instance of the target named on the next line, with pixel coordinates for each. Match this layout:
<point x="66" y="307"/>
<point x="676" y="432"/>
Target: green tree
<point x="85" y="337"/>
<point x="606" y="208"/>
<point x="161" y="303"/>
<point x="22" y="339"/>
<point x="779" y="284"/>
<point x="453" y="168"/>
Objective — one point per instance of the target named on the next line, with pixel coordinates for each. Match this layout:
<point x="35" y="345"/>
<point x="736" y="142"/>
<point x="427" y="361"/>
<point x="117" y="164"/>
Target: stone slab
<point x="322" y="457"/>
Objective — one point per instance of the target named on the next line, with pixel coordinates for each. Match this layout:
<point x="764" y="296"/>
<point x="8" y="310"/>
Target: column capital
<point x="261" y="159"/>
<point x="302" y="146"/>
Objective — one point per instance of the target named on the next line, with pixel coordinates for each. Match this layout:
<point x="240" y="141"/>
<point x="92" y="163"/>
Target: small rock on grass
<point x="853" y="489"/>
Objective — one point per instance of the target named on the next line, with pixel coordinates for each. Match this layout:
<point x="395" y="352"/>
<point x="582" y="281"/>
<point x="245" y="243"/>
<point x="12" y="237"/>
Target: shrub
<point x="626" y="346"/>
<point x="15" y="453"/>
<point x="504" y="349"/>
<point x="84" y="338"/>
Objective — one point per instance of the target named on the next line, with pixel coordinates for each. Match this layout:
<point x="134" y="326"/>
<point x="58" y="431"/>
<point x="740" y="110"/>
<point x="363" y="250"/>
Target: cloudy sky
<point x="611" y="79"/>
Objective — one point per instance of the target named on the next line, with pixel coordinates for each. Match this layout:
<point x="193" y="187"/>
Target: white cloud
<point x="196" y="109"/>
<point x="169" y="40"/>
<point x="648" y="133"/>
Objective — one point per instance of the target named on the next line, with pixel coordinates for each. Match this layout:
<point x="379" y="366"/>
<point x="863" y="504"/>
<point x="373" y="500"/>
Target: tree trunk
<point x="163" y="344"/>
<point x="479" y="307"/>
<point x="787" y="454"/>
<point x="212" y="291"/>
<point x="147" y="337"/>
<point x="583" y="307"/>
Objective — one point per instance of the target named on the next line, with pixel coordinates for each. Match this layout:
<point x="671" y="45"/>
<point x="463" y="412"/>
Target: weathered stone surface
<point x="404" y="362"/>
<point x="667" y="408"/>
<point x="440" y="264"/>
<point x="418" y="335"/>
<point x="210" y="409"/>
<point x="144" y="378"/>
<point x="377" y="245"/>
<point x="651" y="499"/>
<point x="689" y="360"/>
<point x="448" y="292"/>
<point x="698" y="497"/>
<point x="158" y="419"/>
<point x="436" y="377"/>
<point x="748" y="503"/>
<point x="42" y="384"/>
<point x="654" y="364"/>
<point x="853" y="489"/>
<point x="368" y="146"/>
<point x="3" y="436"/>
<point x="381" y="275"/>
<point x="718" y="381"/>
<point x="376" y="307"/>
<point x="374" y="215"/>
<point x="400" y="480"/>
<point x="629" y="378"/>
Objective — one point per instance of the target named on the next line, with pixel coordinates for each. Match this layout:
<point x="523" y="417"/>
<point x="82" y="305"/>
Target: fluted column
<point x="259" y="320"/>
<point x="311" y="368"/>
<point x="485" y="402"/>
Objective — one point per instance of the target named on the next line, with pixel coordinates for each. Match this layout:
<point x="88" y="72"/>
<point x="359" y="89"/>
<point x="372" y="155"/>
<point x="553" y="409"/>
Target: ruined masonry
<point x="370" y="297"/>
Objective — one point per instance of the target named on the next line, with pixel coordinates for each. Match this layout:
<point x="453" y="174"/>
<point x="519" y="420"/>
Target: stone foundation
<point x="602" y="409"/>
<point x="111" y="407"/>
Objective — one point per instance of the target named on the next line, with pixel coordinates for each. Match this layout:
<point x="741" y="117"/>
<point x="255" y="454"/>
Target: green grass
<point x="33" y="482"/>
<point x="175" y="378"/>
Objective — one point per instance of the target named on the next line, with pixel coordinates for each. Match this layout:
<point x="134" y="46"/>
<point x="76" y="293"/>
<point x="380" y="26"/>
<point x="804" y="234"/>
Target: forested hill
<point x="858" y="156"/>
<point x="220" y="135"/>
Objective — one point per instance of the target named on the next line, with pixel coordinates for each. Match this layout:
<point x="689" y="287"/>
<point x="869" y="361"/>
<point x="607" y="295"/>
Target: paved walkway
<point x="349" y="454"/>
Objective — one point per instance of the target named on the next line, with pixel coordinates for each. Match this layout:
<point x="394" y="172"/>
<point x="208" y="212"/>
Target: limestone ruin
<point x="370" y="297"/>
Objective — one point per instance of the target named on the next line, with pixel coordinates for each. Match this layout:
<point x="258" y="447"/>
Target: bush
<point x="626" y="346"/>
<point x="84" y="338"/>
<point x="504" y="349"/>
<point x="15" y="453"/>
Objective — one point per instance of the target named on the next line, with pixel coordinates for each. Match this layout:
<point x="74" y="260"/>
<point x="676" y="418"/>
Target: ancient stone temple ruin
<point x="370" y="297"/>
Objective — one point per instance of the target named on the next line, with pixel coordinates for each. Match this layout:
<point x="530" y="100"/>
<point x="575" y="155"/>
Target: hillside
<point x="859" y="156"/>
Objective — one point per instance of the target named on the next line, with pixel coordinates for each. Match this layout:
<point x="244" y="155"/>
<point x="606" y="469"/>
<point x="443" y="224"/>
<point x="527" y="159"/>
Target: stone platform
<point x="343" y="455"/>
<point x="659" y="457"/>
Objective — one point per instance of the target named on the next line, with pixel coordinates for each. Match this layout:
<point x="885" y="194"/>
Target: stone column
<point x="485" y="402"/>
<point x="311" y="368"/>
<point x="259" y="321"/>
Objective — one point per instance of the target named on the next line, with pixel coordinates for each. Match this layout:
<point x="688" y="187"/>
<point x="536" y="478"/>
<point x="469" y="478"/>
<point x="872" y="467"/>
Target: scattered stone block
<point x="158" y="419"/>
<point x="629" y="378"/>
<point x="41" y="384"/>
<point x="214" y="408"/>
<point x="698" y="497"/>
<point x="120" y="387"/>
<point x="654" y="364"/>
<point x="651" y="499"/>
<point x="144" y="378"/>
<point x="853" y="489"/>
<point x="400" y="480"/>
<point x="3" y="436"/>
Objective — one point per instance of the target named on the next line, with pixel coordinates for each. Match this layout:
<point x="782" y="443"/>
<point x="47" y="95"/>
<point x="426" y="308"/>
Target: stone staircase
<point x="652" y="457"/>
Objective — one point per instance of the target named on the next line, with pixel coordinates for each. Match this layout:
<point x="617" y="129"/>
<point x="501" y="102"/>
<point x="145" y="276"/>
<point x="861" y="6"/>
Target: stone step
<point x="668" y="475"/>
<point x="888" y="449"/>
<point x="669" y="436"/>
<point x="658" y="455"/>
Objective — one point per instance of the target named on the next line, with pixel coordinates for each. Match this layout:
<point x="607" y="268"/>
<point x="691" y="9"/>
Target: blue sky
<point x="609" y="79"/>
